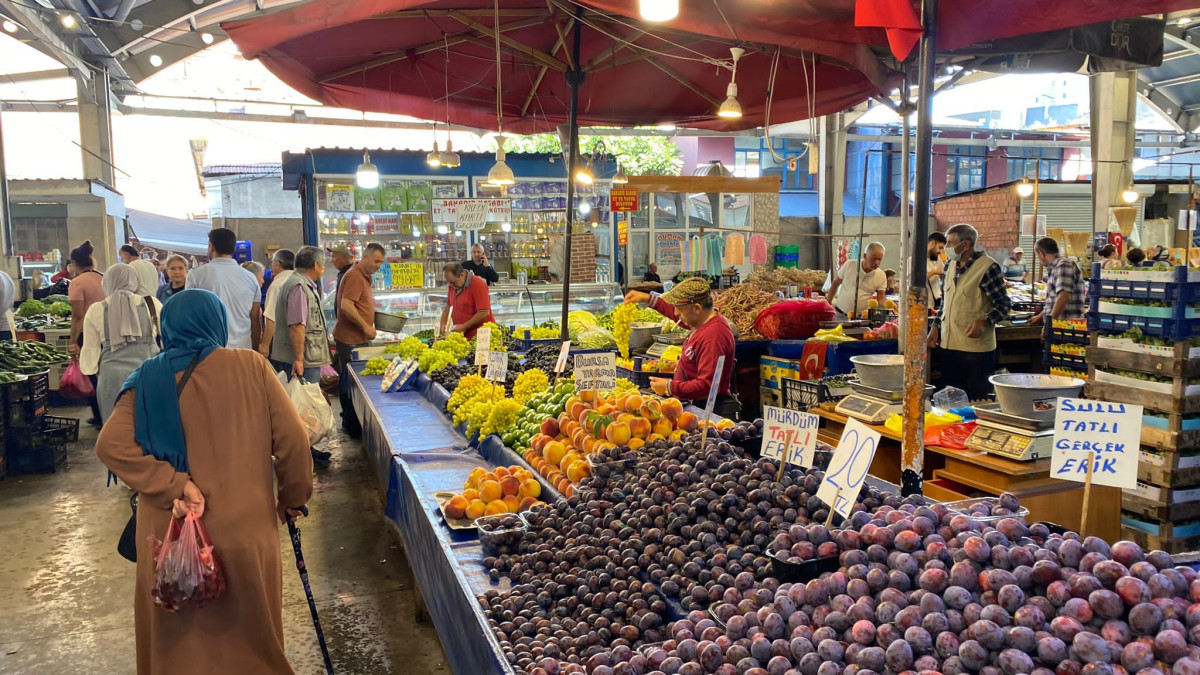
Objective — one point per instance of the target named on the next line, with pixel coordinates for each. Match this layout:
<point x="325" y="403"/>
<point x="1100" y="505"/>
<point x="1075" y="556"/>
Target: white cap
<point x="1017" y="249"/>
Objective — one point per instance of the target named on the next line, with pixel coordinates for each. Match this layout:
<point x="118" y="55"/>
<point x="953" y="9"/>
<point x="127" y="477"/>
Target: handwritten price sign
<point x="791" y="430"/>
<point x="1110" y="433"/>
<point x="483" y="345"/>
<point x="848" y="468"/>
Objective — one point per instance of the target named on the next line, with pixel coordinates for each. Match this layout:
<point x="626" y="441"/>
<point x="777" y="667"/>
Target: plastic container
<point x="786" y="349"/>
<point x="498" y="535"/>
<point x="605" y="467"/>
<point x="791" y="573"/>
<point x="963" y="507"/>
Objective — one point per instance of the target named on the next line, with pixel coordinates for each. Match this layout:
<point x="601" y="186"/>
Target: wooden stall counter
<point x="950" y="475"/>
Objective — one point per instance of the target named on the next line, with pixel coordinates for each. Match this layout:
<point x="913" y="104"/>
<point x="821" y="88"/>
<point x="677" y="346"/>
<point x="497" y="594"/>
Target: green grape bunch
<point x="623" y="316"/>
<point x="529" y="383"/>
<point x="408" y="348"/>
<point x="376" y="366"/>
<point x="503" y="414"/>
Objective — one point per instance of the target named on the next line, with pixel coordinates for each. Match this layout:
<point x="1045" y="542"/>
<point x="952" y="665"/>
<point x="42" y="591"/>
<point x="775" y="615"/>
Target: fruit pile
<point x="529" y="383"/>
<point x="488" y="493"/>
<point x="545" y="357"/>
<point x="549" y="403"/>
<point x="376" y="365"/>
<point x="649" y="365"/>
<point x="623" y="316"/>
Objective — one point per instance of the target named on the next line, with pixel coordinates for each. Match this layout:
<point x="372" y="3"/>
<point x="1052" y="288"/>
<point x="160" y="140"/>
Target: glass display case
<point x="512" y="305"/>
<point x="397" y="215"/>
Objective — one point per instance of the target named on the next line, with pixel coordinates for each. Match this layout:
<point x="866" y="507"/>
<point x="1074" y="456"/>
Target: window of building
<point x="1024" y="162"/>
<point x="966" y="168"/>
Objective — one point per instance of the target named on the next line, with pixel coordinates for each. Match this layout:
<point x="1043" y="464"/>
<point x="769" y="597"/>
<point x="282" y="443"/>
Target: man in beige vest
<point x="974" y="300"/>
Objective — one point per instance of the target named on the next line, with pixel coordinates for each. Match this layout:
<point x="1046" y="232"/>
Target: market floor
<point x="66" y="596"/>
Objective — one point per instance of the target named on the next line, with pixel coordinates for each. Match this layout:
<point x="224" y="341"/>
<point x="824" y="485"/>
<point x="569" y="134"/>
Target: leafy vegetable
<point x="32" y="308"/>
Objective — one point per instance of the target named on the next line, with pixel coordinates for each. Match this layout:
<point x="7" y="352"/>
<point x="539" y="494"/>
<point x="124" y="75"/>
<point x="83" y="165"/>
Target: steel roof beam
<point x="1167" y="105"/>
<point x="46" y="34"/>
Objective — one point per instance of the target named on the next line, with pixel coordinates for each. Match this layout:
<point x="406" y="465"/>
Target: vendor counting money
<point x="690" y="304"/>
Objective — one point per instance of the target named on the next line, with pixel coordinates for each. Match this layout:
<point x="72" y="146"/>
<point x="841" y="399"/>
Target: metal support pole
<point x="912" y="459"/>
<point x="1037" y="183"/>
<point x="905" y="216"/>
<point x="574" y="80"/>
<point x="5" y="207"/>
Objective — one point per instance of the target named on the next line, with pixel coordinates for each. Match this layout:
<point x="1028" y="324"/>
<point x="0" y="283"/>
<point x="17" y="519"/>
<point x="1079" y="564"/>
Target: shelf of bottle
<point x="378" y="235"/>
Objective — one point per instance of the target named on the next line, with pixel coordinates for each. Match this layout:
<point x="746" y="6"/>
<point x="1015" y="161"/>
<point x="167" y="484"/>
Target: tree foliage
<point x="640" y="155"/>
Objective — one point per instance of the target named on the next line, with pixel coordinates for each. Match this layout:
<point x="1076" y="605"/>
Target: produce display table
<point x="960" y="474"/>
<point x="1019" y="348"/>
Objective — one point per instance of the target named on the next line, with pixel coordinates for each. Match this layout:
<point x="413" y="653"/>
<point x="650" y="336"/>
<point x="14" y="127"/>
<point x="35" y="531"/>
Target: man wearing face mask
<point x="975" y="299"/>
<point x="468" y="304"/>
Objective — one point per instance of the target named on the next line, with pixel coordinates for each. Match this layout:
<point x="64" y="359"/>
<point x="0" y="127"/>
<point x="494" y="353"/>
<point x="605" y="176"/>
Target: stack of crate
<point x="1163" y="512"/>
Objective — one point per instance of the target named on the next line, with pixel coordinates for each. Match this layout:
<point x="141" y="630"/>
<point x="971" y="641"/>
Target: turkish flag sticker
<point x="812" y="360"/>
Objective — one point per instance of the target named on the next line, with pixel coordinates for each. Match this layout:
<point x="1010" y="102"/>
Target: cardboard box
<point x="772" y="370"/>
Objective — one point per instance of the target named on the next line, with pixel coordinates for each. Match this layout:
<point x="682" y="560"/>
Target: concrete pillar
<point x="831" y="186"/>
<point x="95" y="128"/>
<point x="1113" y="113"/>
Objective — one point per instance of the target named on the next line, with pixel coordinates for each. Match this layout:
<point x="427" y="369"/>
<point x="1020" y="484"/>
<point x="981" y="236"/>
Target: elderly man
<point x="1064" y="285"/>
<point x="478" y="265"/>
<point x="1015" y="268"/>
<point x="282" y="265"/>
<point x="651" y="275"/>
<point x="974" y="301"/>
<point x="468" y="303"/>
<point x="301" y="342"/>
<point x="857" y="281"/>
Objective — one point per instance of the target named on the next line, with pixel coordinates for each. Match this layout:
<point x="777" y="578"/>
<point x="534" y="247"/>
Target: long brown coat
<point x="236" y="416"/>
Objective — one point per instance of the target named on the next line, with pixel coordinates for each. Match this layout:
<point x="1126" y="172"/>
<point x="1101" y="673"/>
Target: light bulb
<point x="9" y="27"/>
<point x="68" y="20"/>
<point x="1129" y="195"/>
<point x="206" y="38"/>
<point x="658" y="10"/>
<point x="585" y="207"/>
<point x="500" y="173"/>
<point x="367" y="176"/>
<point x="584" y="175"/>
<point x="156" y="60"/>
<point x="730" y="109"/>
<point x="507" y="227"/>
<point x="1024" y="188"/>
<point x="434" y="158"/>
<point x="450" y="158"/>
<point x="442" y="229"/>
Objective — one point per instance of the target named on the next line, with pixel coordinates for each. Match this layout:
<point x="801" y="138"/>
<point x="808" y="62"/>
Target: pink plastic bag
<point x="75" y="384"/>
<point x="187" y="572"/>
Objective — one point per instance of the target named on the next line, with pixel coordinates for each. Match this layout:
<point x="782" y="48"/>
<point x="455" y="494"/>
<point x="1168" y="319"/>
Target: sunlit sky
<point x="152" y="156"/>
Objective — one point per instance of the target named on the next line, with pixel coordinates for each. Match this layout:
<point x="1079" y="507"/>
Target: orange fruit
<point x="490" y="491"/>
<point x="496" y="508"/>
<point x="476" y="509"/>
<point x="531" y="488"/>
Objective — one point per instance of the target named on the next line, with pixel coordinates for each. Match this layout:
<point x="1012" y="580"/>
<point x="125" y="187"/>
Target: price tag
<point x="596" y="372"/>
<point x="849" y="465"/>
<point x="497" y="366"/>
<point x="791" y="428"/>
<point x="562" y="356"/>
<point x="408" y="275"/>
<point x="712" y="389"/>
<point x="483" y="345"/>
<point x="1111" y="432"/>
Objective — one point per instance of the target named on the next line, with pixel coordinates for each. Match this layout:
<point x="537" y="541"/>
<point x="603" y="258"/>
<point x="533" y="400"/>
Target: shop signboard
<point x="408" y="275"/>
<point x="1098" y="441"/>
<point x="668" y="249"/>
<point x="596" y="372"/>
<point x="623" y="200"/>
<point x="623" y="233"/>
<point x="470" y="215"/>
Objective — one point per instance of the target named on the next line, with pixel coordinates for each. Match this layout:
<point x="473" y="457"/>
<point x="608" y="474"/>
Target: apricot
<point x="476" y="509"/>
<point x="456" y="507"/>
<point x="640" y="427"/>
<point x="526" y="504"/>
<point x="470" y="494"/>
<point x="489" y="491"/>
<point x="672" y="408"/>
<point x="587" y="396"/>
<point x="688" y="422"/>
<point x="510" y="485"/>
<point x="531" y="488"/>
<point x="619" y="433"/>
<point x="475" y="476"/>
<point x="496" y="508"/>
<point x="662" y="426"/>
<point x="651" y="409"/>
<point x="635" y="443"/>
<point x="633" y="403"/>
<point x="513" y="503"/>
<point x="554" y="452"/>
<point x="578" y="471"/>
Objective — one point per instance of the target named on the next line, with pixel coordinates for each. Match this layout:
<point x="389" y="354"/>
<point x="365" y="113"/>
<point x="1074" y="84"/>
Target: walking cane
<point x="312" y="605"/>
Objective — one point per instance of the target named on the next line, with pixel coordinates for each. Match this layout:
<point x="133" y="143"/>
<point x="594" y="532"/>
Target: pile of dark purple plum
<point x="617" y="580"/>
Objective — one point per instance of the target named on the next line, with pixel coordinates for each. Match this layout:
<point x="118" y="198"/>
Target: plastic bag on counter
<point x="793" y="320"/>
<point x="933" y="420"/>
<point x="597" y="337"/>
<point x="314" y="410"/>
<point x="953" y="436"/>
<point x="950" y="398"/>
<point x="187" y="572"/>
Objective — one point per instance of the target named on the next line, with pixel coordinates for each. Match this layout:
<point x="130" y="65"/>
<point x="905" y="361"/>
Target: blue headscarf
<point x="193" y="324"/>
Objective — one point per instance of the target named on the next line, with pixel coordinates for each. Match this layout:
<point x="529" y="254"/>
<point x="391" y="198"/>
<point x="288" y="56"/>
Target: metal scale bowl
<point x="879" y="389"/>
<point x="1020" y="425"/>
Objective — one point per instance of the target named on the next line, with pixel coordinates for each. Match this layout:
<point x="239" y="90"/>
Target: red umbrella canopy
<point x="395" y="56"/>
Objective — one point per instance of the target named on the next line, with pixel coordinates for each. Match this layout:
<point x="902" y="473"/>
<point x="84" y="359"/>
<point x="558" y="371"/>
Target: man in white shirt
<point x="236" y="287"/>
<point x="282" y="265"/>
<point x="850" y="292"/>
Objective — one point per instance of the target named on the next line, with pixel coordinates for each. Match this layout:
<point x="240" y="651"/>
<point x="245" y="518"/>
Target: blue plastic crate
<point x="837" y="357"/>
<point x="1066" y="361"/>
<point x="1176" y="330"/>
<point x="1178" y="290"/>
<point x="786" y="349"/>
<point x="523" y="343"/>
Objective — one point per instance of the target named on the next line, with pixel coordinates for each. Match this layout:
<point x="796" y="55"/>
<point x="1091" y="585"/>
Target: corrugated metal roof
<point x="260" y="169"/>
<point x="170" y="234"/>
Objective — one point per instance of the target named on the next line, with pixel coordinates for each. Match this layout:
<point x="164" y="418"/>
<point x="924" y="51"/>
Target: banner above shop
<point x="469" y="215"/>
<point x="623" y="200"/>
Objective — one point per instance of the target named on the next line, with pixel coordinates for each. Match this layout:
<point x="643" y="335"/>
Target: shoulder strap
<point x="187" y="374"/>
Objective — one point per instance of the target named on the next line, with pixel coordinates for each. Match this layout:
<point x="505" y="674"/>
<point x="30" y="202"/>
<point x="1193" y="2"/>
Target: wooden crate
<point x="1117" y="393"/>
<point x="1161" y="529"/>
<point x="1169" y="473"/>
<point x="1164" y="510"/>
<point x="1177" y="366"/>
<point x="1150" y="542"/>
<point x="1174" y="437"/>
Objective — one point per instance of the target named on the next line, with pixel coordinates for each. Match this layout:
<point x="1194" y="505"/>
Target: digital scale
<point x="1011" y="436"/>
<point x="872" y="405"/>
<point x="664" y="342"/>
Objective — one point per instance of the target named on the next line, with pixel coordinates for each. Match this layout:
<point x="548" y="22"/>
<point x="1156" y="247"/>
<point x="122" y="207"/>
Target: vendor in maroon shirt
<point x="690" y="304"/>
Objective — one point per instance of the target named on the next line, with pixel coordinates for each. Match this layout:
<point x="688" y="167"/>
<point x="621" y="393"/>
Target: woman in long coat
<point x="217" y="450"/>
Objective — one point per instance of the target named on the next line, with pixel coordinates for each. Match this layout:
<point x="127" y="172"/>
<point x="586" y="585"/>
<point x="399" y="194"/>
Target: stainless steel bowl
<point x="1033" y="396"/>
<point x="389" y="323"/>
<point x="641" y="334"/>
<point x="881" y="371"/>
<point x="671" y="338"/>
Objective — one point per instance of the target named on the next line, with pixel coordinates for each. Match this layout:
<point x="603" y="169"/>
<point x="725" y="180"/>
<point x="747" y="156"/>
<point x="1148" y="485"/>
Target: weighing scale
<point x="872" y="405"/>
<point x="659" y="346"/>
<point x="1011" y="436"/>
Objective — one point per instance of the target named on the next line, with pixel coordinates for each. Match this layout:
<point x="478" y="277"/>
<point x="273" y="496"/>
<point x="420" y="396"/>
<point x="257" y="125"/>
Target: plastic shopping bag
<point x="314" y="410"/>
<point x="187" y="572"/>
<point x="75" y="384"/>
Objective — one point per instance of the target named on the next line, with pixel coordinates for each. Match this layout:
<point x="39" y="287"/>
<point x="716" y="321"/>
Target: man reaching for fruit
<point x="690" y="303"/>
<point x="963" y="334"/>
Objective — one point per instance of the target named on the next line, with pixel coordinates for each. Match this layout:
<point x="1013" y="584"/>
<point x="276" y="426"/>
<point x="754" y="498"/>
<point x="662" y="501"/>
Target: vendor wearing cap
<point x="342" y="261"/>
<point x="468" y="303"/>
<point x="1014" y="269"/>
<point x="690" y="304"/>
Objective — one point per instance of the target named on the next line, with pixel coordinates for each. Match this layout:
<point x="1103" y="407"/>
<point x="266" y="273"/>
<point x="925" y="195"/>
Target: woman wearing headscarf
<point x="242" y="435"/>
<point x="119" y="334"/>
<point x="147" y="275"/>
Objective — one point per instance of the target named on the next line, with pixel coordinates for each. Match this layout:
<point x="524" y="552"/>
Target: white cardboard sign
<point x="562" y="357"/>
<point x="1111" y="431"/>
<point x="596" y="372"/>
<point x="792" y="429"/>
<point x="483" y="345"/>
<point x="849" y="466"/>
<point x="497" y="366"/>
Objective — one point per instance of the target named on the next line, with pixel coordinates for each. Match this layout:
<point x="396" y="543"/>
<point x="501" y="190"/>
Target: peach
<point x="635" y="443"/>
<point x="688" y="422"/>
<point x="496" y="508"/>
<point x="663" y="427"/>
<point x="539" y="442"/>
<point x="475" y="476"/>
<point x="531" y="488"/>
<point x="589" y="445"/>
<point x="578" y="471"/>
<point x="640" y="427"/>
<point x="619" y="433"/>
<point x="562" y="484"/>
<point x="476" y="509"/>
<point x="604" y="445"/>
<point x="651" y="410"/>
<point x="633" y="403"/>
<point x="554" y="452"/>
<point x="625" y="417"/>
<point x="500" y="471"/>
<point x="526" y="504"/>
<point x="569" y="491"/>
<point x="490" y="491"/>
<point x="510" y="485"/>
<point x="587" y="396"/>
<point x="550" y="426"/>
<point x="456" y="507"/>
<point x="513" y="503"/>
<point x="571" y="400"/>
<point x="470" y="494"/>
<point x="672" y="408"/>
<point x="607" y="409"/>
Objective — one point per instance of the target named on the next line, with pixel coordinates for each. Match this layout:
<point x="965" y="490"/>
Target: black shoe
<point x="320" y="454"/>
<point x="94" y="422"/>
<point x="320" y="464"/>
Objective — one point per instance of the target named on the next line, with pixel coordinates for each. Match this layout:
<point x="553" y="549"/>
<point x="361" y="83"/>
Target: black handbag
<point x="127" y="544"/>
